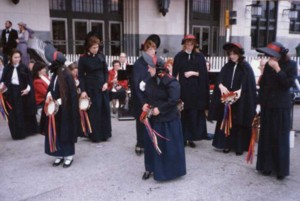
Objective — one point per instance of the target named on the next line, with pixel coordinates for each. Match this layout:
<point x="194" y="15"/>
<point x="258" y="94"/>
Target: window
<point x="115" y="38"/>
<point x="263" y="29"/>
<point x="87" y="6"/>
<point x="295" y="23"/>
<point x="59" y="34"/>
<point x="57" y="4"/>
<point x="201" y="6"/>
<point x="114" y="5"/>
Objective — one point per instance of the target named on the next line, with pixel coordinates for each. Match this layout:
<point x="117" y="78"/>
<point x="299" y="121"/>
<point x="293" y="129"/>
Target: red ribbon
<point x="51" y="129"/>
<point x="3" y="108"/>
<point x="274" y="47"/>
<point x="85" y="122"/>
<point x="251" y="150"/>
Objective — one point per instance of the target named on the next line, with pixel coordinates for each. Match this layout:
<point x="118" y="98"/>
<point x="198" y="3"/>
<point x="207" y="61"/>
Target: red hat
<point x="274" y="49"/>
<point x="188" y="37"/>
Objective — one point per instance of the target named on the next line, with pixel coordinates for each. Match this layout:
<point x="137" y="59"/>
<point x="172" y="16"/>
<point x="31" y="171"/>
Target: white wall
<point x="35" y="13"/>
<point x="152" y="21"/>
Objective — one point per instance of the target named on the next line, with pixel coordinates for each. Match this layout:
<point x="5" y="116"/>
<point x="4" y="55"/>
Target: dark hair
<point x="72" y="66"/>
<point x="32" y="61"/>
<point x="36" y="69"/>
<point x="237" y="51"/>
<point x="115" y="61"/>
<point x="14" y="51"/>
<point x="64" y="90"/>
<point x="93" y="40"/>
<point x="9" y="22"/>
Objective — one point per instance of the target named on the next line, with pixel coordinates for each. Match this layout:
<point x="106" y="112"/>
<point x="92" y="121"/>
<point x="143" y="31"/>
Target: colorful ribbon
<point x="226" y="124"/>
<point x="3" y="109"/>
<point x="85" y="122"/>
<point x="51" y="128"/>
<point x="251" y="150"/>
<point x="144" y="118"/>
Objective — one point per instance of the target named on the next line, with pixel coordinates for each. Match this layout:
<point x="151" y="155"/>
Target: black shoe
<point x="57" y="162"/>
<point x="238" y="153"/>
<point x="267" y="172"/>
<point x="226" y="151"/>
<point x="138" y="150"/>
<point x="279" y="177"/>
<point x="191" y="144"/>
<point x="69" y="164"/>
<point x="146" y="175"/>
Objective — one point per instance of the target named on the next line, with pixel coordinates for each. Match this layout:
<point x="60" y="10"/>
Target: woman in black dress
<point x="62" y="90"/>
<point x="19" y="95"/>
<point x="162" y="93"/>
<point x="93" y="76"/>
<point x="190" y="67"/>
<point x="235" y="76"/>
<point x="278" y="76"/>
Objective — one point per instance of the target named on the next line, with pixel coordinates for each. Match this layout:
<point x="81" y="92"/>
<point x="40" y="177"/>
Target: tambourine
<point x="51" y="108"/>
<point x="84" y="103"/>
<point x="229" y="98"/>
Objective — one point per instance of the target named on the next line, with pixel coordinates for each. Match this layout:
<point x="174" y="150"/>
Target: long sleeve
<point x="173" y="91"/>
<point x="81" y="74"/>
<point x="287" y="78"/>
<point x="25" y="37"/>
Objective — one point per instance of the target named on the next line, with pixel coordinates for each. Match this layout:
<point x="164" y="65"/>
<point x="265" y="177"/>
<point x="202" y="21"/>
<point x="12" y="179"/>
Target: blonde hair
<point x="148" y="44"/>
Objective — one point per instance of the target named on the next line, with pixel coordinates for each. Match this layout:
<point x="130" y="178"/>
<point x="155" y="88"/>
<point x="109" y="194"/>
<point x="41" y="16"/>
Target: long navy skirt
<point x="171" y="163"/>
<point x="273" y="147"/>
<point x="99" y="115"/>
<point x="238" y="139"/>
<point x="194" y="124"/>
<point x="64" y="149"/>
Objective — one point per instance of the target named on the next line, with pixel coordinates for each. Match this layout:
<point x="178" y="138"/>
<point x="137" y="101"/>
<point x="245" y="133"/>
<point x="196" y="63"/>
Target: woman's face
<point x="94" y="49"/>
<point x="152" y="71"/>
<point x="42" y="72"/>
<point x="16" y="58"/>
<point x="151" y="51"/>
<point x="116" y="66"/>
<point x="74" y="72"/>
<point x="233" y="57"/>
<point x="189" y="46"/>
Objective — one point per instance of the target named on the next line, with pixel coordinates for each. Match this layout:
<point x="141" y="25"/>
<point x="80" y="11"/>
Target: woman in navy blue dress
<point x="162" y="93"/>
<point x="278" y="76"/>
<point x="93" y="77"/>
<point x="62" y="90"/>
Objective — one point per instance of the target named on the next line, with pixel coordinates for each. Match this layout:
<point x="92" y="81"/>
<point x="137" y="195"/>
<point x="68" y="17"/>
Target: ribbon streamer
<point x="3" y="109"/>
<point x="85" y="122"/>
<point x="51" y="129"/>
<point x="144" y="118"/>
<point x="251" y="150"/>
<point x="228" y="100"/>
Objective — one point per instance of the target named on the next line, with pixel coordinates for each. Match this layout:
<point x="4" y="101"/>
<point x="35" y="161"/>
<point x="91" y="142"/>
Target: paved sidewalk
<point x="111" y="171"/>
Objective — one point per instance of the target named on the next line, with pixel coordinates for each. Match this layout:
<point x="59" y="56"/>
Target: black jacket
<point x="25" y="79"/>
<point x="195" y="89"/>
<point x="139" y="73"/>
<point x="243" y="110"/>
<point x="274" y="87"/>
<point x="9" y="45"/>
<point x="163" y="92"/>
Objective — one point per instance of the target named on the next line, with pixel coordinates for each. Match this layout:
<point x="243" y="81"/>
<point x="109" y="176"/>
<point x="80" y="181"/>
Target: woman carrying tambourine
<point x="233" y="103"/>
<point x="62" y="111"/>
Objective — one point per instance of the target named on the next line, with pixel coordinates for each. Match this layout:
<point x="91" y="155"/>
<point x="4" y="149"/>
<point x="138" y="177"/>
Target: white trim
<point x="73" y="30"/>
<point x="109" y="34"/>
<point x="66" y="31"/>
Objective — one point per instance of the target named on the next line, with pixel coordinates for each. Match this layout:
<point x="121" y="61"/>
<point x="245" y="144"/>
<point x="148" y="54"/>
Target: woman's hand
<point x="223" y="89"/>
<point x="17" y="40"/>
<point x="238" y="94"/>
<point x="83" y="95"/>
<point x="24" y="92"/>
<point x="155" y="111"/>
<point x="104" y="87"/>
<point x="191" y="73"/>
<point x="146" y="107"/>
<point x="274" y="64"/>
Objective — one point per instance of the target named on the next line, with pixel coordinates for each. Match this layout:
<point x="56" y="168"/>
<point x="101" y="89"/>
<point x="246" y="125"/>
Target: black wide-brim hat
<point x="273" y="49"/>
<point x="155" y="39"/>
<point x="52" y="55"/>
<point x="230" y="46"/>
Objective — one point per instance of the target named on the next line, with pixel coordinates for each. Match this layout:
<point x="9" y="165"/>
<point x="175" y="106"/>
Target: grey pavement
<point x="110" y="171"/>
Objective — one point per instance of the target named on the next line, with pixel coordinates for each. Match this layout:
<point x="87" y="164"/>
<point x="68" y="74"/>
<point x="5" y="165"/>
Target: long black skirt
<point x="194" y="124"/>
<point x="171" y="163"/>
<point x="238" y="139"/>
<point x="99" y="115"/>
<point x="64" y="149"/>
<point x="21" y="124"/>
<point x="273" y="147"/>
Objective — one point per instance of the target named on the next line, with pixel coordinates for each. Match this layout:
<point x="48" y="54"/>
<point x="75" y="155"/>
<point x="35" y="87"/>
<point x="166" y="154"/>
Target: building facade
<point x="124" y="24"/>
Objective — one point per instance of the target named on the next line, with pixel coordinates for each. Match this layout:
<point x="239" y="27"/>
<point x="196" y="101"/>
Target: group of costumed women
<point x="163" y="128"/>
